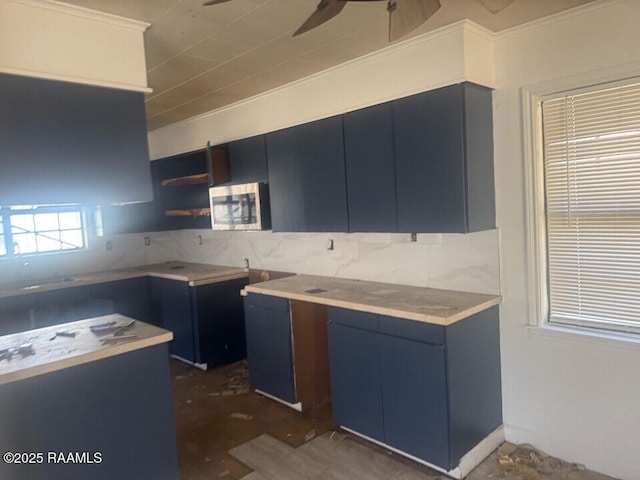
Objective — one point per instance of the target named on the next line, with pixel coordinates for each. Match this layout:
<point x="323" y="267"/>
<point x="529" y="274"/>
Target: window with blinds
<point x="591" y="152"/>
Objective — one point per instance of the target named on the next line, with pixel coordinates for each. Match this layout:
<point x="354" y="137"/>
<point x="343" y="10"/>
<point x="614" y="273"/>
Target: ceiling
<point x="203" y="58"/>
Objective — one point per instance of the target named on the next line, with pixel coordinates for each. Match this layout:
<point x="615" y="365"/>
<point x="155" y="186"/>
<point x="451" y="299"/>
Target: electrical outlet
<point x="414" y="237"/>
<point x="246" y="264"/>
<point x="330" y="244"/>
<point x="199" y="239"/>
<point x="147" y="241"/>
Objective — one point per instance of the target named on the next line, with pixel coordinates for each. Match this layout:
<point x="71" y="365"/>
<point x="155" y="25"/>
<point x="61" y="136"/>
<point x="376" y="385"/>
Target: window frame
<point x="7" y="211"/>
<point x="535" y="208"/>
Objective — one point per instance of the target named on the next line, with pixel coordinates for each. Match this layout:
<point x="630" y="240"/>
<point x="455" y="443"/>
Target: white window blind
<point x="592" y="192"/>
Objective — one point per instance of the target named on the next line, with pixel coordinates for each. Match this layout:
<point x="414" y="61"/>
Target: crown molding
<point x="74" y="79"/>
<point x="556" y="18"/>
<point x="86" y="13"/>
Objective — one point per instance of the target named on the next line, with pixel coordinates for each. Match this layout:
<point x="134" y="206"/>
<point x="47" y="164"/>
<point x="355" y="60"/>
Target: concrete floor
<point x="217" y="412"/>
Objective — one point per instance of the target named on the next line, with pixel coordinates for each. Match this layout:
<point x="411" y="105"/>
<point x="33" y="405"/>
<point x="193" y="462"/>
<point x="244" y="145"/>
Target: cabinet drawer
<point x="411" y="329"/>
<point x="353" y="318"/>
<point x="267" y="301"/>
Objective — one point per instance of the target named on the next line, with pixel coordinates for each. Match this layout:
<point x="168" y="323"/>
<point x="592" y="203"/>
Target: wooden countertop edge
<point x="392" y="312"/>
<point x="207" y="281"/>
<point x="101" y="354"/>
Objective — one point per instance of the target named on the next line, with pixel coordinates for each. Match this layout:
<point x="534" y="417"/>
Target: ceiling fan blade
<point x="407" y="15"/>
<point x="495" y="6"/>
<point x="214" y="2"/>
<point x="325" y="11"/>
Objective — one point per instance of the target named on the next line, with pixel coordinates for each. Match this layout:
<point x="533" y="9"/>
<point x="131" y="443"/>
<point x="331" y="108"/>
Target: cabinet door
<point x="173" y="299"/>
<point x="219" y="328"/>
<point x="286" y="190"/>
<point x="321" y="151"/>
<point x="269" y="352"/>
<point x="370" y="169"/>
<point x="354" y="362"/>
<point x="414" y="394"/>
<point x="307" y="179"/>
<point x="429" y="147"/>
<point x="248" y="160"/>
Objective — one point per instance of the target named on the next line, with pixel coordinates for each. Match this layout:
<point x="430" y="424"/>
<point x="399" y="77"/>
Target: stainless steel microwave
<point x="240" y="207"/>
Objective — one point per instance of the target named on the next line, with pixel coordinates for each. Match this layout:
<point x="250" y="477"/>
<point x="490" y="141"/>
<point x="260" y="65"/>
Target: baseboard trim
<point x="295" y="406"/>
<point x="468" y="462"/>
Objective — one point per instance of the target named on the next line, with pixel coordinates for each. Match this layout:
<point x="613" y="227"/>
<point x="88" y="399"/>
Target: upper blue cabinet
<point x="370" y="167"/>
<point x="420" y="164"/>
<point x="71" y="143"/>
<point x="307" y="178"/>
<point x="443" y="142"/>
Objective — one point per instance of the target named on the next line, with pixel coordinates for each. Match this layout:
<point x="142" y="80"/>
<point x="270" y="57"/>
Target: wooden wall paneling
<point x="310" y="353"/>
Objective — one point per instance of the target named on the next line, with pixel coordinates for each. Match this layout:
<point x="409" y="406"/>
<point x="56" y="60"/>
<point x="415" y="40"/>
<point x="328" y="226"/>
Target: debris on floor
<point x="241" y="416"/>
<point x="524" y="462"/>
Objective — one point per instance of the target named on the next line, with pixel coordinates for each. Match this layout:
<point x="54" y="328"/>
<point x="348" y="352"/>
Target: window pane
<point x="70" y="220"/>
<point x="46" y="221"/>
<point x="24" y="243"/>
<point x="48" y="241"/>
<point x="3" y="249"/>
<point x="22" y="223"/>
<point x="72" y="239"/>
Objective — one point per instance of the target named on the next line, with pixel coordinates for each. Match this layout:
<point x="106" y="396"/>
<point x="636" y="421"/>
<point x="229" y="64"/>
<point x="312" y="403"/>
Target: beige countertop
<point x="194" y="273"/>
<point x="50" y="352"/>
<point x="430" y="305"/>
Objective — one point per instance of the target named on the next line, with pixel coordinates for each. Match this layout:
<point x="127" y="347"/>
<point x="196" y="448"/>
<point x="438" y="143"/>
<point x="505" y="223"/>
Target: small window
<point x="591" y="149"/>
<point x="31" y="230"/>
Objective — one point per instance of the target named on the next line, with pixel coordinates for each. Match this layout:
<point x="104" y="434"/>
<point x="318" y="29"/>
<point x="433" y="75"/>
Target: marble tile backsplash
<point x="452" y="261"/>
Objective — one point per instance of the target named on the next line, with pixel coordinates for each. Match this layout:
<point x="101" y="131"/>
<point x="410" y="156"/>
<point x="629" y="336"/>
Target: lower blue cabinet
<point x="414" y="394"/>
<point x="269" y="351"/>
<point x="206" y="320"/>
<point x="354" y="362"/>
<point x="430" y="391"/>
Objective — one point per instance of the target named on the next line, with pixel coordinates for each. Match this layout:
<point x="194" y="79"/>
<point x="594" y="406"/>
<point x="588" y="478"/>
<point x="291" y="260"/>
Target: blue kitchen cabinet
<point x="173" y="303"/>
<point x="206" y="320"/>
<point x="269" y="349"/>
<point x="181" y="186"/>
<point x="128" y="297"/>
<point x="414" y="395"/>
<point x="430" y="391"/>
<point x="248" y="160"/>
<point x="307" y="184"/>
<point x="370" y="169"/>
<point x="67" y="143"/>
<point x="354" y="362"/>
<point x="444" y="160"/>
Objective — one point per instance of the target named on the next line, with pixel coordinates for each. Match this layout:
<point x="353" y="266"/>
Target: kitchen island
<point x="414" y="369"/>
<point x="78" y="402"/>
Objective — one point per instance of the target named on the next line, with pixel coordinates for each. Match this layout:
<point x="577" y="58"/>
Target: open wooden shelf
<point x="188" y="180"/>
<point x="190" y="212"/>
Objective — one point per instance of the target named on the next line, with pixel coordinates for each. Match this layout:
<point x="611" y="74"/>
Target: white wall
<point x="575" y="397"/>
